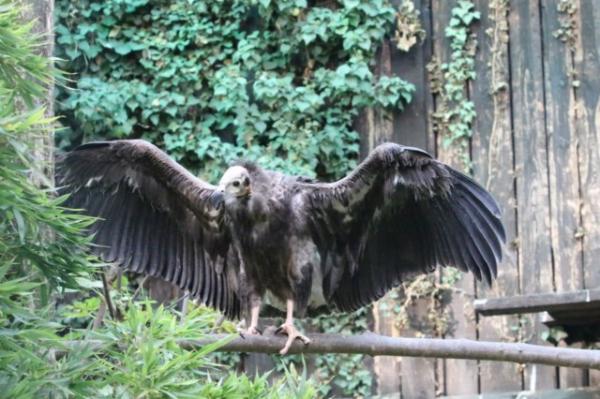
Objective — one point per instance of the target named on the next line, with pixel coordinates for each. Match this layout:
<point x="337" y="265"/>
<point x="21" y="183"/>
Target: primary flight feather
<point x="259" y="233"/>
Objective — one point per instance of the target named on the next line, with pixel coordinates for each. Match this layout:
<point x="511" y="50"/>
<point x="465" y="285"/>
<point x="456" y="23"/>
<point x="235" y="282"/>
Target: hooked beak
<point x="246" y="193"/>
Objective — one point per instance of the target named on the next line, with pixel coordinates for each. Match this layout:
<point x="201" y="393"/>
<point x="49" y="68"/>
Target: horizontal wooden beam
<point x="379" y="345"/>
<point x="555" y="301"/>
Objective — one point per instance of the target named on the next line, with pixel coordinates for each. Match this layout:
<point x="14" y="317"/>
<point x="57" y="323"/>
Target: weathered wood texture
<point x="41" y="11"/>
<point x="587" y="127"/>
<point x="536" y="147"/>
<point x="531" y="169"/>
<point x="563" y="162"/>
<point x="492" y="146"/>
<point x="465" y="371"/>
<point x="378" y="345"/>
<point x="573" y="301"/>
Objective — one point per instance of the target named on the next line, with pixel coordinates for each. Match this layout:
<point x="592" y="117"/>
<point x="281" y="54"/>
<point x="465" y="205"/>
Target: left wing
<point x="400" y="212"/>
<point x="154" y="217"/>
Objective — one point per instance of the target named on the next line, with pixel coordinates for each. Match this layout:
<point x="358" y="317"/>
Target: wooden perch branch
<point x="379" y="345"/>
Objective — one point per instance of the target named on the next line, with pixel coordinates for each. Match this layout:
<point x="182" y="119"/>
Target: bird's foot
<point x="252" y="330"/>
<point x="293" y="334"/>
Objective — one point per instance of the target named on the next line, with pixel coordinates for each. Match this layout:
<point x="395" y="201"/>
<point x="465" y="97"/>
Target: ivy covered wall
<point x="279" y="82"/>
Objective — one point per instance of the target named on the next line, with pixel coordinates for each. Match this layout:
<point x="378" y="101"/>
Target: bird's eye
<point x="236" y="183"/>
<point x="246" y="181"/>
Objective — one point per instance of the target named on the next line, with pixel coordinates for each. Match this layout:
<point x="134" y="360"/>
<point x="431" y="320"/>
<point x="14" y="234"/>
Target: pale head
<point x="236" y="181"/>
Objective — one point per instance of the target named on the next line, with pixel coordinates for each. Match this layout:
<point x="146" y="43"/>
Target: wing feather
<point x="154" y="217"/>
<point x="400" y="213"/>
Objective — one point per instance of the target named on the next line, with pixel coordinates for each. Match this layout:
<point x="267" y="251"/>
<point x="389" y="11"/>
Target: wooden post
<point x="42" y="12"/>
<point x="412" y="377"/>
<point x="561" y="119"/>
<point x="587" y="67"/>
<point x="493" y="166"/>
<point x="531" y="169"/>
<point x="461" y="376"/>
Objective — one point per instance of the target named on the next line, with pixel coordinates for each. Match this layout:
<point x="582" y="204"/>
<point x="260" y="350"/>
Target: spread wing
<point x="400" y="212"/>
<point x="154" y="217"/>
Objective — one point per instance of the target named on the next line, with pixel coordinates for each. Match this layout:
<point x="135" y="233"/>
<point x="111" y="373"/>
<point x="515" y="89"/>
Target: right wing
<point x="400" y="212"/>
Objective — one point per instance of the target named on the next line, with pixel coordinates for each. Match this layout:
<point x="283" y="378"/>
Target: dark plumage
<point x="301" y="244"/>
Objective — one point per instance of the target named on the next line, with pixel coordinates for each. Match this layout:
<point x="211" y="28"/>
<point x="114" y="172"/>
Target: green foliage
<point x="347" y="374"/>
<point x="292" y="386"/>
<point x="431" y="292"/>
<point x="554" y="335"/>
<point x="140" y="356"/>
<point x="42" y="254"/>
<point x="27" y="213"/>
<point x="456" y="112"/>
<point x="40" y="249"/>
<point x="22" y="73"/>
<point x="335" y="374"/>
<point x="275" y="82"/>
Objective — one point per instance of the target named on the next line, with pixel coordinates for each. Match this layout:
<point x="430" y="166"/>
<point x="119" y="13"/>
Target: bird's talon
<point x="248" y="331"/>
<point x="253" y="331"/>
<point x="292" y="334"/>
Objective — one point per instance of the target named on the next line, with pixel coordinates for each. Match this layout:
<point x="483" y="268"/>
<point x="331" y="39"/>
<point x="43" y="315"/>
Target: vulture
<point x="261" y="236"/>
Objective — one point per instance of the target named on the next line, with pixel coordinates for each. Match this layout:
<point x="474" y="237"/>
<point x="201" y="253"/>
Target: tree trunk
<point x="42" y="142"/>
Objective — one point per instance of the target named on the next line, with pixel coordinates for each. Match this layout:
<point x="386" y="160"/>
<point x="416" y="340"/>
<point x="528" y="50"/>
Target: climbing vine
<point x="452" y="121"/>
<point x="432" y="291"/>
<point x="275" y="82"/>
<point x="455" y="111"/>
<point x="409" y="29"/>
<point x="567" y="33"/>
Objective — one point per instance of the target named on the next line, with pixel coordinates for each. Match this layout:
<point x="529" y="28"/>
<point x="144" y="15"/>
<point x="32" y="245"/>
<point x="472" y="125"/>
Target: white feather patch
<point x="317" y="298"/>
<point x="93" y="180"/>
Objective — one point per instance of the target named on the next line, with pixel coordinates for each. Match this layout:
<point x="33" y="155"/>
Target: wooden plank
<point x="376" y="127"/>
<point x="531" y="167"/>
<point x="562" y="153"/>
<point x="585" y="393"/>
<point x="587" y="67"/>
<point x="492" y="158"/>
<point x="576" y="319"/>
<point x="387" y="369"/>
<point x="538" y="302"/>
<point x="418" y="374"/>
<point x="563" y="164"/>
<point x="461" y="376"/>
<point x="420" y="377"/>
<point x="411" y="124"/>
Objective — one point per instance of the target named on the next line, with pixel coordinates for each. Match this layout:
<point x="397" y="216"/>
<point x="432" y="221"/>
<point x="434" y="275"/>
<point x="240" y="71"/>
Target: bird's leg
<point x="253" y="327"/>
<point x="107" y="280"/>
<point x="289" y="329"/>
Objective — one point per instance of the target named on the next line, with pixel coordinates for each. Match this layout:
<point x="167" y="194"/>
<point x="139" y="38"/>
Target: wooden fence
<point x="536" y="146"/>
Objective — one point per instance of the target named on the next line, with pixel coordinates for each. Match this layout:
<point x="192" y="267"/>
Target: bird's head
<point x="236" y="181"/>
